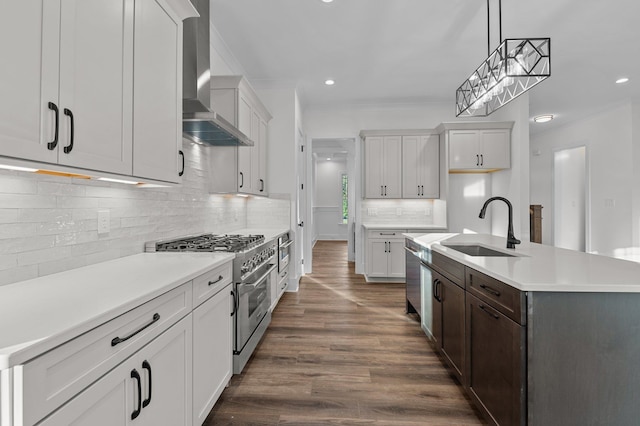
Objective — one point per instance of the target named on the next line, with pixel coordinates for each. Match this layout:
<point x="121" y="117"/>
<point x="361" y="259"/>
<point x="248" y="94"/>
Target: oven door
<point x="253" y="304"/>
<point x="284" y="248"/>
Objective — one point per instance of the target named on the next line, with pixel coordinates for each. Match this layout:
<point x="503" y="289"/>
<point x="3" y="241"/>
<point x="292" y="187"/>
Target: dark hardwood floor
<point x="341" y="351"/>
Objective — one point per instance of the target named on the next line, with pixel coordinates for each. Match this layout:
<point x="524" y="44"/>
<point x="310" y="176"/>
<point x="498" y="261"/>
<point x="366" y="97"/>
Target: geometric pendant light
<point x="510" y="70"/>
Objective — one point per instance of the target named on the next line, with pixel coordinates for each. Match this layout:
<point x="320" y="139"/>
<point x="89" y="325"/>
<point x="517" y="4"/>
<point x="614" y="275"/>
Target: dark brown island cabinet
<point x="537" y="358"/>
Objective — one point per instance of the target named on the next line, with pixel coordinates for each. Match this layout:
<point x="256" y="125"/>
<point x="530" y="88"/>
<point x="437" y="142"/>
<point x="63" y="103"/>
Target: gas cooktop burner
<point x="211" y="242"/>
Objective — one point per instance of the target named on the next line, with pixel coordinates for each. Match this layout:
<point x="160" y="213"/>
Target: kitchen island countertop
<point x="39" y="314"/>
<point x="401" y="226"/>
<point x="538" y="267"/>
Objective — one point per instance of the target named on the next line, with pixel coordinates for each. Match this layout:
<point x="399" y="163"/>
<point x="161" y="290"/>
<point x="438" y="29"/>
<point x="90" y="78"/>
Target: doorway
<point x="570" y="192"/>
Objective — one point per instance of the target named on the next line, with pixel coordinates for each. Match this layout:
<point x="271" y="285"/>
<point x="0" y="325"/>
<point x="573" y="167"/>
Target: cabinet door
<point x="373" y="169"/>
<point x="436" y="299"/>
<point x="392" y="164"/>
<point x="262" y="176"/>
<point x="410" y="167"/>
<point x="109" y="401"/>
<point x="377" y="258"/>
<point x="453" y="325"/>
<point x="96" y="79"/>
<point x="396" y="259"/>
<point x="244" y="113"/>
<point x="166" y="369"/>
<point x="255" y="154"/>
<point x="212" y="352"/>
<point x="463" y="149"/>
<point x="495" y="149"/>
<point x="244" y="168"/>
<point x="157" y="109"/>
<point x="429" y="166"/>
<point x="495" y="362"/>
<point x="29" y="34"/>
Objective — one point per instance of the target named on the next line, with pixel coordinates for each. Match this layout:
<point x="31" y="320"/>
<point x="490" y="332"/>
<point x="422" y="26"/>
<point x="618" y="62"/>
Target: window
<point x="345" y="205"/>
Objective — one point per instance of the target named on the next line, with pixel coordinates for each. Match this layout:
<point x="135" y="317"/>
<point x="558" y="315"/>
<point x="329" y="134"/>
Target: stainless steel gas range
<point x="252" y="266"/>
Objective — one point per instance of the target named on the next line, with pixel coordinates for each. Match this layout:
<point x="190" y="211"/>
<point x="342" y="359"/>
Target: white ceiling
<point x="381" y="51"/>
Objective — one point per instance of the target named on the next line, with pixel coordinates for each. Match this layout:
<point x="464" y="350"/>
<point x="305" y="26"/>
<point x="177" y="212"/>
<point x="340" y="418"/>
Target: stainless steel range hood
<point x="199" y="123"/>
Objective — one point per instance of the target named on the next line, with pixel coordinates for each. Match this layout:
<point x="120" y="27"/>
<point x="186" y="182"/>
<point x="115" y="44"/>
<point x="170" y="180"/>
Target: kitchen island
<point x="542" y="336"/>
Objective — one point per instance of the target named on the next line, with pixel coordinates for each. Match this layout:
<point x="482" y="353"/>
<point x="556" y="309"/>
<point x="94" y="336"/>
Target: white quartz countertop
<point x="40" y="314"/>
<point x="539" y="267"/>
<point x="402" y="226"/>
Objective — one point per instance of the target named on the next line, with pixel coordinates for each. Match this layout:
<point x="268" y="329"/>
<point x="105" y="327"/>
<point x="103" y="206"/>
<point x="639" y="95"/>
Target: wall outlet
<point x="398" y="211"/>
<point x="372" y="211"/>
<point x="104" y="221"/>
<point x="427" y="211"/>
<point x="609" y="202"/>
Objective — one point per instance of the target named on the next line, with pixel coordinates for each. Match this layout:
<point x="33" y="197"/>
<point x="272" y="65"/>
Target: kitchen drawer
<point x="502" y="297"/>
<point x="48" y="381"/>
<point x="388" y="234"/>
<point x="450" y="268"/>
<point x="209" y="283"/>
<point x="283" y="279"/>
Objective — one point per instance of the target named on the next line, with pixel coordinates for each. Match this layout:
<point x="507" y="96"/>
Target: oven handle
<point x="259" y="280"/>
<point x="286" y="245"/>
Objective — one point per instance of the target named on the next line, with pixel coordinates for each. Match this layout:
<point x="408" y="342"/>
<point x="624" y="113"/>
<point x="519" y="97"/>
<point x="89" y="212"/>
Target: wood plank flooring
<point x="343" y="352"/>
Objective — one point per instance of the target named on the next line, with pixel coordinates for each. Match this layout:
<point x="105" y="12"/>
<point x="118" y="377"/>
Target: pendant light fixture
<point x="514" y="67"/>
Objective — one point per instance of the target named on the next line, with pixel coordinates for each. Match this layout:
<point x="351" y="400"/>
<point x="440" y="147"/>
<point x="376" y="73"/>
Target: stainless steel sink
<point x="476" y="250"/>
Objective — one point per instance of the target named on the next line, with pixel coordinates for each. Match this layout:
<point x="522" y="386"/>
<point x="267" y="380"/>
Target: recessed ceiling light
<point x="327" y="1"/>
<point x="329" y="82"/>
<point x="543" y="118"/>
<point x="328" y="159"/>
<point x="622" y="80"/>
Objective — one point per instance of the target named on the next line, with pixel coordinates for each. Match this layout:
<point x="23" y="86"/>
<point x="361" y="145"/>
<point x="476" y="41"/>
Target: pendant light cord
<point x="489" y="25"/>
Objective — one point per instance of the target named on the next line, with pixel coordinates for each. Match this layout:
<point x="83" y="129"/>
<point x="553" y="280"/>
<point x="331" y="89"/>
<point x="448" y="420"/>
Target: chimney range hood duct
<point x="199" y="123"/>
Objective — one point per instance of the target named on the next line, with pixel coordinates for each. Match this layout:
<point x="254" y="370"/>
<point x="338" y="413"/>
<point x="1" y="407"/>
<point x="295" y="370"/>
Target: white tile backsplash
<point x="48" y="224"/>
<point x="410" y="212"/>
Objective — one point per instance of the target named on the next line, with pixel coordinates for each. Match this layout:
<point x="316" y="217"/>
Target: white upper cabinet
<point x="73" y="93"/>
<point x="157" y="92"/>
<point x="421" y="166"/>
<point x="67" y="88"/>
<point x="234" y="99"/>
<point x="383" y="167"/>
<point x="481" y="150"/>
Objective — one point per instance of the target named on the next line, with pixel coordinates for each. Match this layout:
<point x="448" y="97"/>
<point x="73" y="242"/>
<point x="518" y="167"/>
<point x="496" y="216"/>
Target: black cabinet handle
<point x="52" y="145"/>
<point x="261" y="185"/>
<point x="241" y="179"/>
<point x="481" y="160"/>
<point x="68" y="148"/>
<point x="182" y="154"/>
<point x="477" y="160"/>
<point x="117" y="340"/>
<point x="385" y="190"/>
<point x="220" y="278"/>
<point x="490" y="290"/>
<point x="484" y="308"/>
<point x="301" y="224"/>
<point x="136" y="412"/>
<point x="147" y="366"/>
<point x="233" y="296"/>
<point x="381" y="190"/>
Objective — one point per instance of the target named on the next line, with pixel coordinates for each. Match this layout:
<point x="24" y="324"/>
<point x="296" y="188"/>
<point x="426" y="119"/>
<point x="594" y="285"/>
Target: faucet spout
<point x="511" y="239"/>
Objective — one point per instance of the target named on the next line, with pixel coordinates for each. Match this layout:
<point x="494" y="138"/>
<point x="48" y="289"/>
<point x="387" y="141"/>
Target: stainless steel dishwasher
<point x="412" y="263"/>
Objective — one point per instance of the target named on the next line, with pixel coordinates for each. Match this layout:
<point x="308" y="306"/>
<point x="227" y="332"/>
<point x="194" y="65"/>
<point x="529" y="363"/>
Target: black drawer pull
<point x="484" y="308"/>
<point x="220" y="278"/>
<point x="117" y="340"/>
<point x="147" y="366"/>
<point x="52" y="145"/>
<point x="181" y="153"/>
<point x="490" y="290"/>
<point x="136" y="412"/>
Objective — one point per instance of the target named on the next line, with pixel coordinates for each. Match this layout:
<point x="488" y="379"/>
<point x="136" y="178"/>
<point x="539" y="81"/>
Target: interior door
<point x="301" y="209"/>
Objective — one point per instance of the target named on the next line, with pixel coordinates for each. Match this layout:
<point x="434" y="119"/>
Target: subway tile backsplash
<point x="49" y="224"/>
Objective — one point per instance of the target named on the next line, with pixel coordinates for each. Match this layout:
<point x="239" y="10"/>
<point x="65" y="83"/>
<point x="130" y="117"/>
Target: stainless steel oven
<point x="284" y="250"/>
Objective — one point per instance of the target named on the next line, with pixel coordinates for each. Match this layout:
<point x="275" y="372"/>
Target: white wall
<point x="327" y="205"/>
<point x="612" y="175"/>
<point x="49" y="224"/>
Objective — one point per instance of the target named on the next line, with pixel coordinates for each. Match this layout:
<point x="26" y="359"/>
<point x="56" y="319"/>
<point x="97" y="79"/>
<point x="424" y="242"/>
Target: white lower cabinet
<point x="152" y="387"/>
<point x="385" y="254"/>
<point x="212" y="352"/>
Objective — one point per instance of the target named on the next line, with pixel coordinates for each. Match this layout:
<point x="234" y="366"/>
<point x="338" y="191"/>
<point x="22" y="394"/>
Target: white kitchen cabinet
<point x="150" y="388"/>
<point x="212" y="351"/>
<point x="157" y="92"/>
<point x="421" y="166"/>
<point x="479" y="150"/>
<point x="67" y="84"/>
<point x="383" y="167"/>
<point x="235" y="100"/>
<point x="385" y="254"/>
